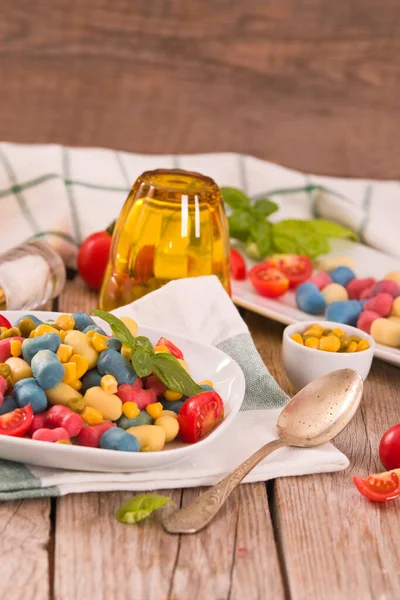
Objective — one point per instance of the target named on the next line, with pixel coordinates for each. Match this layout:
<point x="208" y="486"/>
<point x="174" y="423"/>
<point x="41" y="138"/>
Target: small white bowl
<point x="303" y="364"/>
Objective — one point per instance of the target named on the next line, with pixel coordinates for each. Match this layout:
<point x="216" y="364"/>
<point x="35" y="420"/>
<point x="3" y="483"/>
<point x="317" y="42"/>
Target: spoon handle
<point x="199" y="513"/>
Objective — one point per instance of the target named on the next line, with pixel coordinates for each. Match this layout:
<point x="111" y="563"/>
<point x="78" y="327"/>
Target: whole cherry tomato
<point x="93" y="257"/>
<point x="199" y="415"/>
<point x="296" y="268"/>
<point x="268" y="281"/>
<point x="238" y="266"/>
<point x="380" y="487"/>
<point x="389" y="448"/>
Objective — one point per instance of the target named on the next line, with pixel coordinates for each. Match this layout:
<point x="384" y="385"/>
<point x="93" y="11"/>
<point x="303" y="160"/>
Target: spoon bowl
<point x="321" y="410"/>
<point x="312" y="417"/>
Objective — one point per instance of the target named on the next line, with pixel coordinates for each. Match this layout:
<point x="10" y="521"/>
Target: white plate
<point x="369" y="263"/>
<point x="205" y="362"/>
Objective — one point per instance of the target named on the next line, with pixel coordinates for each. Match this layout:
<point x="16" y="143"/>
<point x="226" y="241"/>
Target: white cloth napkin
<point x="198" y="308"/>
<point x="64" y="194"/>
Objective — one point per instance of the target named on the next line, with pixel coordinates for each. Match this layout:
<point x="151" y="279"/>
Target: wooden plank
<point x="97" y="557"/>
<point x="305" y="83"/>
<point x="235" y="557"/>
<point x="24" y="544"/>
<point x="336" y="545"/>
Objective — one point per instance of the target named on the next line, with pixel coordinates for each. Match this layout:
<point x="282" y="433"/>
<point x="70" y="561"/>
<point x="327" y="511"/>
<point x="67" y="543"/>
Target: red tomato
<point x="268" y="282"/>
<point x="389" y="448"/>
<point x="5" y="322"/>
<point x="17" y="422"/>
<point x="238" y="266"/>
<point x="144" y="264"/>
<point x="199" y="415"/>
<point x="93" y="257"/>
<point x="296" y="268"/>
<point x="380" y="487"/>
<point x="171" y="347"/>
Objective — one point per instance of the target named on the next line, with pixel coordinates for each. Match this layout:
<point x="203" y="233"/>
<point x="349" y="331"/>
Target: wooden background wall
<point x="312" y="84"/>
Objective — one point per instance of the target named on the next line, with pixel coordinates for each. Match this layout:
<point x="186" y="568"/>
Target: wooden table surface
<point x="307" y="83"/>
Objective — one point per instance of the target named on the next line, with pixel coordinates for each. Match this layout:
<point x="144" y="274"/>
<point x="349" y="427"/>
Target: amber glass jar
<point x="173" y="225"/>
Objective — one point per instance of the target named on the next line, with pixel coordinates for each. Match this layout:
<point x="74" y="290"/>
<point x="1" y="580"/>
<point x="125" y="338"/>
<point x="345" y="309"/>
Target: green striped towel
<point x="65" y="194"/>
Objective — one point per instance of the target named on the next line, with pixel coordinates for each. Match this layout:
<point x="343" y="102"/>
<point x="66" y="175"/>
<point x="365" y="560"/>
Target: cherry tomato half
<point x="389" y="448"/>
<point x="380" y="487"/>
<point x="238" y="266"/>
<point x="17" y="422"/>
<point x="93" y="258"/>
<point x="5" y="322"/>
<point x="268" y="282"/>
<point x="174" y="350"/>
<point x="296" y="268"/>
<point x="199" y="415"/>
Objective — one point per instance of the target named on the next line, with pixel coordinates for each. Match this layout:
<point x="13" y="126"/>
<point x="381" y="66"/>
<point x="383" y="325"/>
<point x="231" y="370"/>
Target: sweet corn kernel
<point x="15" y="348"/>
<point x="154" y="410"/>
<point x="76" y="405"/>
<point x="126" y="351"/>
<point x="64" y="442"/>
<point x="43" y="329"/>
<point x="63" y="334"/>
<point x="3" y="330"/>
<point x="159" y="349"/>
<point x="69" y="372"/>
<point x="315" y="330"/>
<point x="64" y="352"/>
<point x="352" y="347"/>
<point x="5" y="370"/>
<point x="99" y="342"/>
<point x="172" y="396"/>
<point x="66" y="322"/>
<point x="82" y="364"/>
<point x="91" y="333"/>
<point x="329" y="343"/>
<point x="206" y="382"/>
<point x="312" y="342"/>
<point x="109" y="384"/>
<point x="297" y="337"/>
<point x="130" y="410"/>
<point x="91" y="416"/>
<point x="363" y="345"/>
<point x="338" y="331"/>
<point x="76" y="384"/>
<point x="183" y="363"/>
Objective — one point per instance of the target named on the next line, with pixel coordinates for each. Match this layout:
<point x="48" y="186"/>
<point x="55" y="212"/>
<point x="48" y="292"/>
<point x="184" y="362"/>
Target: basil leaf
<point x="118" y="328"/>
<point x="263" y="207"/>
<point x="286" y="245"/>
<point x="261" y="233"/>
<point x="173" y="375"/>
<point x="235" y="198"/>
<point x="297" y="236"/>
<point x="332" y="230"/>
<point x="239" y="224"/>
<point x="140" y="507"/>
<point x="142" y="356"/>
<point x="144" y="343"/>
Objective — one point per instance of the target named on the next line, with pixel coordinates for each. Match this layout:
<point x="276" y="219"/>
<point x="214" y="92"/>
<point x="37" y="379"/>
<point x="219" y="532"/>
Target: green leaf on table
<point x="297" y="236"/>
<point x="235" y="198"/>
<point x="140" y="507"/>
<point x="118" y="328"/>
<point x="173" y="375"/>
<point x="261" y="234"/>
<point x="142" y="357"/>
<point x="332" y="230"/>
<point x="240" y="223"/>
<point x="263" y="207"/>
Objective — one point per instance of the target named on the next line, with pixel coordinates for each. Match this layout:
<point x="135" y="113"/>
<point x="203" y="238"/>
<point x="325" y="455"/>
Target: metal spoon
<point x="312" y="417"/>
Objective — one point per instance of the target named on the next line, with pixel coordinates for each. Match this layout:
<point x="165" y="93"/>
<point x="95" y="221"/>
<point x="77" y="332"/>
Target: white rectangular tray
<point x="369" y="263"/>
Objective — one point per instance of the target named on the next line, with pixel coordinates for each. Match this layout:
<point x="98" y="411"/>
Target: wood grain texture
<point x="24" y="542"/>
<point x="334" y="543"/>
<point x="306" y="83"/>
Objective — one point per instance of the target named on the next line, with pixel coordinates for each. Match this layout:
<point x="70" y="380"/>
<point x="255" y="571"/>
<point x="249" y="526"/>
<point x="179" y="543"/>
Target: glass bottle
<point x="173" y="225"/>
<point x="30" y="275"/>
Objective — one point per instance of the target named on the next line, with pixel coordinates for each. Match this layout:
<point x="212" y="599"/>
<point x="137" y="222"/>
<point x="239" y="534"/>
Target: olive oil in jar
<point x="173" y="225"/>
